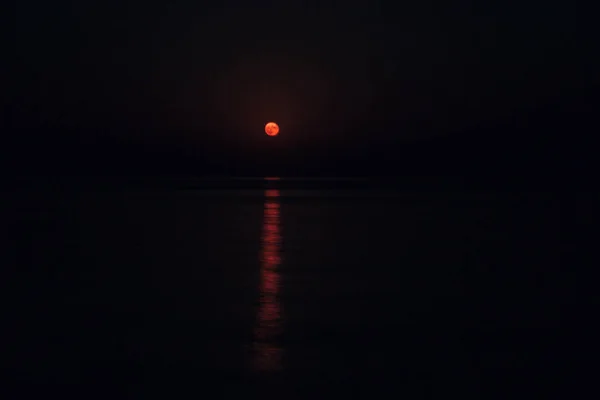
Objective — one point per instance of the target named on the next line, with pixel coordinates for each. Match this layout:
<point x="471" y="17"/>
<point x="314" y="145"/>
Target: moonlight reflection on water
<point x="267" y="352"/>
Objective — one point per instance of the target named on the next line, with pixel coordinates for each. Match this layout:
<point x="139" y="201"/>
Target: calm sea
<point x="280" y="288"/>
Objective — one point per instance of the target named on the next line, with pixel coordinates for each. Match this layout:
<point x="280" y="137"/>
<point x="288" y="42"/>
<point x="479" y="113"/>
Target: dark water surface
<point x="281" y="291"/>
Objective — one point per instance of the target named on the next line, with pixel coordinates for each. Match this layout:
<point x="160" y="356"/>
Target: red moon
<point x="272" y="129"/>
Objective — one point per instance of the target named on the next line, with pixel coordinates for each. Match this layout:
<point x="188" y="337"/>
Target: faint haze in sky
<point x="309" y="65"/>
<point x="370" y="76"/>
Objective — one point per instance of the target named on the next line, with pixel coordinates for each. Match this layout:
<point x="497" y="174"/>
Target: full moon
<point x="271" y="129"/>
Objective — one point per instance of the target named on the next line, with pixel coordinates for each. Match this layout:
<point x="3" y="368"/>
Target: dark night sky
<point x="341" y="78"/>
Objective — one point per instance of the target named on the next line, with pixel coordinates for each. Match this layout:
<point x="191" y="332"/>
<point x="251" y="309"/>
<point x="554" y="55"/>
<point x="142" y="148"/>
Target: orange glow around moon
<point x="271" y="129"/>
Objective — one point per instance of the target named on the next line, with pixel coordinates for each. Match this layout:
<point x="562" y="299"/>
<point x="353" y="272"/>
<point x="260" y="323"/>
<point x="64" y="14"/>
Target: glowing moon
<point x="271" y="129"/>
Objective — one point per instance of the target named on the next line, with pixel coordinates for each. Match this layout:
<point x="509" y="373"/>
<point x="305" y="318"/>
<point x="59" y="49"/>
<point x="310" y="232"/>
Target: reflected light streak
<point x="267" y="352"/>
